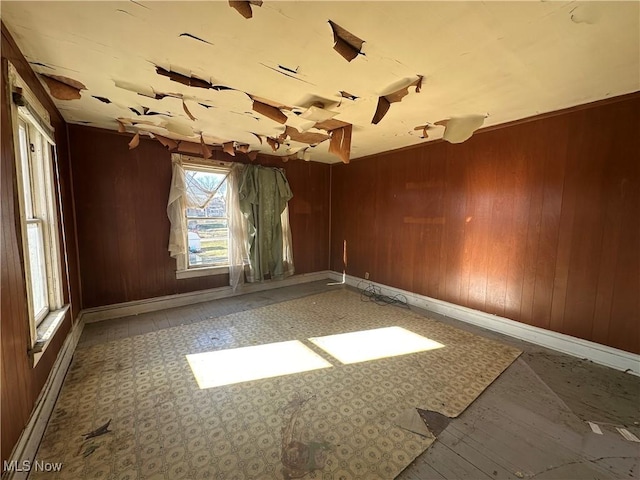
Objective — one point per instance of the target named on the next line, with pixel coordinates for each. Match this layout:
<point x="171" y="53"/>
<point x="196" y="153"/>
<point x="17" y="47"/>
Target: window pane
<point x="26" y="170"/>
<point x="38" y="188"/>
<point x="37" y="269"/>
<point x="208" y="241"/>
<point x="202" y="198"/>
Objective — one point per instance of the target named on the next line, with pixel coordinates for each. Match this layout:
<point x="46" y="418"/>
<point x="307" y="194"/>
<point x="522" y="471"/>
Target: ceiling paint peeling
<point x="244" y="7"/>
<point x="585" y="14"/>
<point x="167" y="142"/>
<point x="289" y="75"/>
<point x="331" y="124"/>
<point x="188" y="35"/>
<point x="102" y="99"/>
<point x="273" y="143"/>
<point x="322" y="101"/>
<point x="269" y="111"/>
<point x="299" y="123"/>
<point x="424" y="129"/>
<point x="38" y="64"/>
<point x="312" y="138"/>
<point x="149" y="112"/>
<point x="135" y="141"/>
<point x="385" y="101"/>
<point x="179" y="128"/>
<point x="459" y="129"/>
<point x="143" y="90"/>
<point x="137" y="122"/>
<point x="63" y="88"/>
<point x="290" y="70"/>
<point x="246" y="114"/>
<point x="348" y="95"/>
<point x="190" y="81"/>
<point x="340" y="144"/>
<point x="186" y="110"/>
<point x="206" y="151"/>
<point x="227" y="147"/>
<point x="512" y="59"/>
<point x="318" y="113"/>
<point x="139" y="4"/>
<point x="345" y="42"/>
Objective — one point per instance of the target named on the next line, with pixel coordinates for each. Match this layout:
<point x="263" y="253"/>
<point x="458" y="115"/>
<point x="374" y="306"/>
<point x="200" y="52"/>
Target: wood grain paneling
<point x="123" y="229"/>
<point x="537" y="221"/>
<point x="21" y="384"/>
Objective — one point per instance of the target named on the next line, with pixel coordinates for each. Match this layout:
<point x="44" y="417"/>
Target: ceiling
<point x="487" y="62"/>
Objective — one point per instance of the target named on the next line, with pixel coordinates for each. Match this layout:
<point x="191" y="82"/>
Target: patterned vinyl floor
<point x="336" y="423"/>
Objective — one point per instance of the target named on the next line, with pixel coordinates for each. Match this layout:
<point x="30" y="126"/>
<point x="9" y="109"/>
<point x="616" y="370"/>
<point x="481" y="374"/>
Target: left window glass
<point x="35" y="213"/>
<point x="40" y="221"/>
<point x="39" y="216"/>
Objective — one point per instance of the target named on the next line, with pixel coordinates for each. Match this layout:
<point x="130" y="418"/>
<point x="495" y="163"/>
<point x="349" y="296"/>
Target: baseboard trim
<point x="577" y="347"/>
<point x="119" y="310"/>
<point x="29" y="441"/>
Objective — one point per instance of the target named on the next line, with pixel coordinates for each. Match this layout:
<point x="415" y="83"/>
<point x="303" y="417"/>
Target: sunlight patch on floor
<point x="236" y="365"/>
<point x="367" y="345"/>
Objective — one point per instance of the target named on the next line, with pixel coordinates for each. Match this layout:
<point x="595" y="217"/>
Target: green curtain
<point x="263" y="196"/>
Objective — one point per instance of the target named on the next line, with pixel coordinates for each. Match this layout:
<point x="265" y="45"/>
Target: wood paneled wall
<point x="537" y="222"/>
<point x="21" y="384"/>
<point x="123" y="229"/>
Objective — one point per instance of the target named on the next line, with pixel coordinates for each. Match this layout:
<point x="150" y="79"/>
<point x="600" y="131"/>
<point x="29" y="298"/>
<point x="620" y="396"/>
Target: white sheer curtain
<point x="238" y="230"/>
<point x="287" y="243"/>
<point x="176" y="210"/>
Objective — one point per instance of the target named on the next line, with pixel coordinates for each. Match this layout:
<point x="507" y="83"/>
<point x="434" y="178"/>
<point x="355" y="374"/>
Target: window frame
<point x="184" y="270"/>
<point x="39" y="206"/>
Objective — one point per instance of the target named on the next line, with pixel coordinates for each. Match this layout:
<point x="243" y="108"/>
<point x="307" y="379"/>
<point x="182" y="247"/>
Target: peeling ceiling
<point x="326" y="81"/>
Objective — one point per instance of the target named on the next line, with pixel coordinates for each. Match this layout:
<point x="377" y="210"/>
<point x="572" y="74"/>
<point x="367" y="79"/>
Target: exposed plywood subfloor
<point x="529" y="422"/>
<point x="510" y="60"/>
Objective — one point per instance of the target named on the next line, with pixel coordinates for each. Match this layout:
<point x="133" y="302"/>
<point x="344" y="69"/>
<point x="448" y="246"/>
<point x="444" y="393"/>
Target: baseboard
<point x="137" y="307"/>
<point x="577" y="347"/>
<point x="27" y="446"/>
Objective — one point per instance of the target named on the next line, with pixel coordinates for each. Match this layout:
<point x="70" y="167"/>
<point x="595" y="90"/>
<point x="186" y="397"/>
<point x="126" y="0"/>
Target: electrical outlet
<point x="366" y="275"/>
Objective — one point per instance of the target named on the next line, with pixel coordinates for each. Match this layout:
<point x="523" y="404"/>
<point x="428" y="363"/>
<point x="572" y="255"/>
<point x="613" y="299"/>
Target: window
<point x="35" y="171"/>
<point x="206" y="216"/>
<point x="229" y="218"/>
<point x="34" y="158"/>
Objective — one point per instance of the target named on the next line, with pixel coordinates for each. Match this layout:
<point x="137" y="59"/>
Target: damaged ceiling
<point x="326" y="81"/>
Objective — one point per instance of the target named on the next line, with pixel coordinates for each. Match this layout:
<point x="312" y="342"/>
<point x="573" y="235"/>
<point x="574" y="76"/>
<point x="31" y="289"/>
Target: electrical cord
<point x="372" y="293"/>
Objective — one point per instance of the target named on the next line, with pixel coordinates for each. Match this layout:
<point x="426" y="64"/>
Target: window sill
<point x="201" y="272"/>
<point x="46" y="331"/>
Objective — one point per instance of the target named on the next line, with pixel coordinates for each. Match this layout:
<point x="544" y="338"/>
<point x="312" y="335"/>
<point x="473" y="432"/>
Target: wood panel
<point x="537" y="221"/>
<point x="123" y="229"/>
<point x="352" y="219"/>
<point x="21" y="384"/>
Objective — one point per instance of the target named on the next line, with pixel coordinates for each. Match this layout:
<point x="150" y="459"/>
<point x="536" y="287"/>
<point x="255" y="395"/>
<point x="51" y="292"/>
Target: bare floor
<point x="530" y="423"/>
